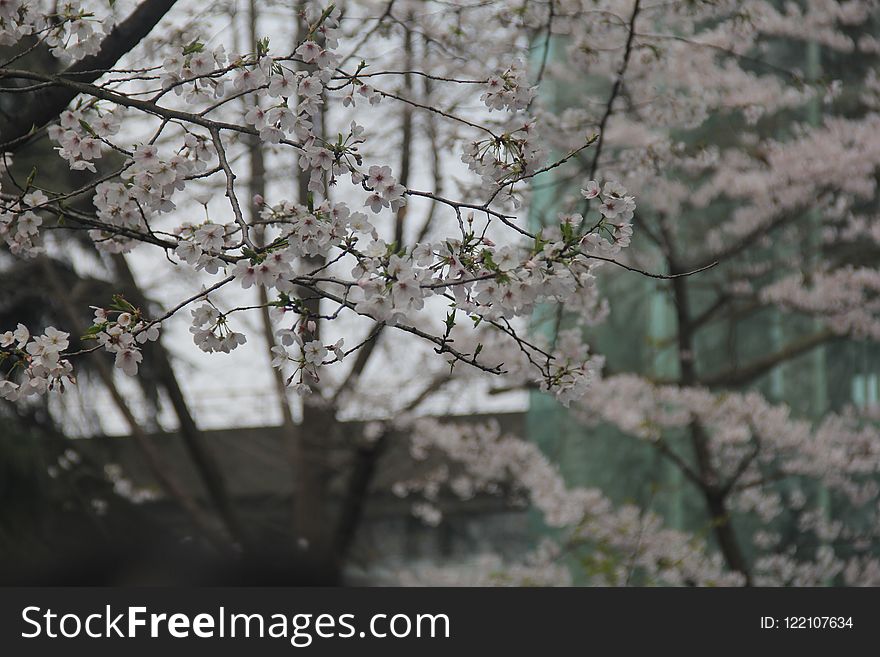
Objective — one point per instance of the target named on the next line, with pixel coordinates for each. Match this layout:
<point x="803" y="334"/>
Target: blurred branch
<point x="615" y="90"/>
<point x="193" y="439"/>
<point x="158" y="466"/>
<point x="741" y="375"/>
<point x="366" y="461"/>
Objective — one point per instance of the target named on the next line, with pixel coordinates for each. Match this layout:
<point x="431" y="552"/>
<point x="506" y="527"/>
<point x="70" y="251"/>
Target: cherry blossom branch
<point x="442" y="344"/>
<point x="230" y="190"/>
<point x="126" y="101"/>
<point x="195" y="297"/>
<point x="615" y="89"/>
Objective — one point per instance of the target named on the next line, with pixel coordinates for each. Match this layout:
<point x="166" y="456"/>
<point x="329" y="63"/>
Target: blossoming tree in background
<point x="404" y="229"/>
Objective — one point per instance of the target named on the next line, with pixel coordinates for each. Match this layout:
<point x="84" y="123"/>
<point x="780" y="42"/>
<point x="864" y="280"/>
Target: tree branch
<point x="739" y="376"/>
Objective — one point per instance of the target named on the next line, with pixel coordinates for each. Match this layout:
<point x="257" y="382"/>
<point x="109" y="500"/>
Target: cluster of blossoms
<point x="202" y="245"/>
<point x="749" y="441"/>
<point x="513" y="151"/>
<point x="389" y="286"/>
<point x="148" y="180"/>
<point x="490" y="461"/>
<point x="310" y="232"/>
<point x="148" y="184"/>
<point x="195" y="65"/>
<point x="121" y="330"/>
<point x="18" y="19"/>
<point x="626" y="538"/>
<point x="573" y="370"/>
<point x="373" y="96"/>
<point x="504" y="159"/>
<point x="74" y="33"/>
<point x="80" y="141"/>
<point x="840" y="447"/>
<point x="33" y="365"/>
<point x="614" y="230"/>
<point x="70" y="31"/>
<point x="211" y="332"/>
<point x="312" y="353"/>
<point x="274" y="85"/>
<point x="509" y="89"/>
<point x="20" y="224"/>
<point x="847" y="299"/>
<point x="386" y="191"/>
<point x="782" y="180"/>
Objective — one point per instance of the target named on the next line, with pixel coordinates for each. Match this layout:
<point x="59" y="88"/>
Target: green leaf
<point x="119" y="303"/>
<point x="262" y="47"/>
<point x="567" y="231"/>
<point x="539" y="241"/>
<point x="85" y="126"/>
<point x="92" y="332"/>
<point x="193" y="47"/>
<point x="488" y="261"/>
